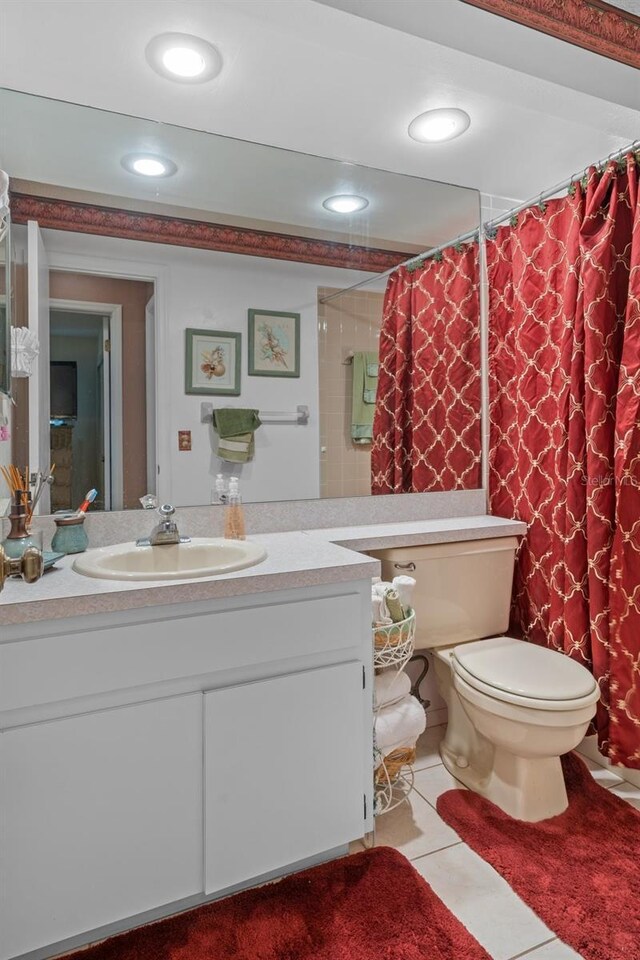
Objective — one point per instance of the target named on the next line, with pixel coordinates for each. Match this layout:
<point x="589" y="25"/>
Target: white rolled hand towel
<point x="399" y="725"/>
<point x="390" y="687"/>
<point x="404" y="587"/>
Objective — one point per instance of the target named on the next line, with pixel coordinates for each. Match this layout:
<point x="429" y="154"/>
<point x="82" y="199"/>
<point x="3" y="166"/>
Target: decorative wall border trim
<point x="155" y="228"/>
<point x="592" y="24"/>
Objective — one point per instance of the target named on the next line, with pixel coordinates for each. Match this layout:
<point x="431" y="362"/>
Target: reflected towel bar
<point x="300" y="415"/>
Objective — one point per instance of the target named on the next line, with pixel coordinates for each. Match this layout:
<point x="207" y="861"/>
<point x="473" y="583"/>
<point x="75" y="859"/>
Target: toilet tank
<point x="463" y="589"/>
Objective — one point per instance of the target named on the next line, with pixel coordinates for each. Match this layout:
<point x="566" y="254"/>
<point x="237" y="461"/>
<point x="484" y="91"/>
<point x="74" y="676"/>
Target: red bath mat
<point x="579" y="871"/>
<point x="372" y="906"/>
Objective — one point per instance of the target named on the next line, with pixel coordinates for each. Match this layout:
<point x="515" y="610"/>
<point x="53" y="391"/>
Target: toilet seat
<point x="521" y="673"/>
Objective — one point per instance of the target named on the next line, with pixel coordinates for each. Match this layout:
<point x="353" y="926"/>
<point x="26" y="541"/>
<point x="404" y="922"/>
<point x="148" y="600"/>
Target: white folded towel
<point x="399" y="725"/>
<point x="390" y="686"/>
<point x="24" y="350"/>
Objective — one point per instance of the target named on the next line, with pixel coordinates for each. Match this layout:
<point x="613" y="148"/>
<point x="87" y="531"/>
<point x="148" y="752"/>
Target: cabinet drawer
<point x="91" y="661"/>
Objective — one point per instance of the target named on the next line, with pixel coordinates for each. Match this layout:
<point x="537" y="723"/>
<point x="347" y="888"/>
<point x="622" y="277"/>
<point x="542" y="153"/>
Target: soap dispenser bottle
<point x="220" y="490"/>
<point x="234" y="527"/>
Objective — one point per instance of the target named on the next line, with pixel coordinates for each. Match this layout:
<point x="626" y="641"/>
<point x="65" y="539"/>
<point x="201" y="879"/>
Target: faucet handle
<point x="166" y="511"/>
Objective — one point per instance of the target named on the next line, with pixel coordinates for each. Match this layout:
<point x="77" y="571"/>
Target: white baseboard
<point x="589" y="748"/>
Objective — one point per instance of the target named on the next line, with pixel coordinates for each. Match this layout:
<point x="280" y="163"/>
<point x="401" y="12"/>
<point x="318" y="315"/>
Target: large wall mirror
<point x="225" y="279"/>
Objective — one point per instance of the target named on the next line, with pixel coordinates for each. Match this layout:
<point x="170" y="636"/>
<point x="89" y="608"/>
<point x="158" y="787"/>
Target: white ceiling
<point x="51" y="142"/>
<point x="633" y="6"/>
<point x="305" y="76"/>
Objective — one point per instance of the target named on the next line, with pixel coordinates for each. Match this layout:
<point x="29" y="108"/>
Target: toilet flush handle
<point x="404" y="566"/>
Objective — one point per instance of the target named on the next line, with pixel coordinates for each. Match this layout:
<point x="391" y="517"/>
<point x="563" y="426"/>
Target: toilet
<point x="513" y="707"/>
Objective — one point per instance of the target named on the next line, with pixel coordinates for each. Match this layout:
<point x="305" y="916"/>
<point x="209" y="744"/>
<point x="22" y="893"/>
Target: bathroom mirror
<point x="233" y="238"/>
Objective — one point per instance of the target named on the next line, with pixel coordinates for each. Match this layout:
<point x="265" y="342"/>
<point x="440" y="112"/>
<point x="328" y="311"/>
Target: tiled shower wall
<point x="347" y="324"/>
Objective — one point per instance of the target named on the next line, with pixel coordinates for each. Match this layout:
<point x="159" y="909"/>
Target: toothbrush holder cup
<point x="70" y="535"/>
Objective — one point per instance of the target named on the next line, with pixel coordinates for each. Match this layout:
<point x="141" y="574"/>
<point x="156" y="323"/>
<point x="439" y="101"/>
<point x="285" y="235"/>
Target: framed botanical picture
<point x="212" y="362"/>
<point x="274" y="344"/>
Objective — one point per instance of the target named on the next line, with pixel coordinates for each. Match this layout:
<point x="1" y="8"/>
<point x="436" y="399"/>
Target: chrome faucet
<point x="164" y="533"/>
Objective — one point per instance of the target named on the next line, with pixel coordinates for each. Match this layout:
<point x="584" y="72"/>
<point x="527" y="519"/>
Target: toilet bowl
<point x="511" y="722"/>
<point x="513" y="707"/>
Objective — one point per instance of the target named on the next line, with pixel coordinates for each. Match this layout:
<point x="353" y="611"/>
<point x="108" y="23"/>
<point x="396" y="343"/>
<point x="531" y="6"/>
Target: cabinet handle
<point x="404" y="566"/>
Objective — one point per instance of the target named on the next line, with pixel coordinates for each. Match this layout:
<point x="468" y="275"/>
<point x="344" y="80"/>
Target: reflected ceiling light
<point x="345" y="203"/>
<point x="182" y="57"/>
<point x="435" y="126"/>
<point x="148" y="165"/>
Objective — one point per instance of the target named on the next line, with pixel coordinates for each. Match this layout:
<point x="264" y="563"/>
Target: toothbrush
<point x="84" y="506"/>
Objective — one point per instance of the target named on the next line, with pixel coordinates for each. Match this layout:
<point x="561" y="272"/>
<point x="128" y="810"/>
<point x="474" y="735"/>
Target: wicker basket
<point x="394" y="634"/>
<point x="389" y="769"/>
<point x="393" y="645"/>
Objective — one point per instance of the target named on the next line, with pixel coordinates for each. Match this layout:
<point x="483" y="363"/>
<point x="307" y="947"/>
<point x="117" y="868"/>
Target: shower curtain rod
<point x="490" y="225"/>
<point x="405" y="263"/>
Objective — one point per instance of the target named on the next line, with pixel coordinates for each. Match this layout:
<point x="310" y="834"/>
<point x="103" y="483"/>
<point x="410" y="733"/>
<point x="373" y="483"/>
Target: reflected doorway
<point x="84" y="426"/>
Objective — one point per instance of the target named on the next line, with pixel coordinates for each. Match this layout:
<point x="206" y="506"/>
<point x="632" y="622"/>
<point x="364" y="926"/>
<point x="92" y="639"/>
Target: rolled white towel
<point x="405" y="587"/>
<point x="399" y="725"/>
<point x="380" y="587"/>
<point x="377" y="604"/>
<point x="390" y="686"/>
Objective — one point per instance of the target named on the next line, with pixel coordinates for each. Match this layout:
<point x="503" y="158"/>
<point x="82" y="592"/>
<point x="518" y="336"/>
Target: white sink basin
<point x="200" y="557"/>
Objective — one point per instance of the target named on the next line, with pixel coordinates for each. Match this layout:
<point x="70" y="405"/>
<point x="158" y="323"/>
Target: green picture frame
<point x="274" y="343"/>
<point x="212" y="362"/>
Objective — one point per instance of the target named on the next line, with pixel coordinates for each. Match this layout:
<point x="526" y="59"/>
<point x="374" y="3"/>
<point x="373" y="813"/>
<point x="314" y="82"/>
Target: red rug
<point x="579" y="871"/>
<point x="372" y="906"/>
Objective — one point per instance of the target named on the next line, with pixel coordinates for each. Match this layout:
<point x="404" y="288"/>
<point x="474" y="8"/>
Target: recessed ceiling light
<point x="148" y="165"/>
<point x="345" y="203"/>
<point x="182" y="57"/>
<point x="435" y="126"/>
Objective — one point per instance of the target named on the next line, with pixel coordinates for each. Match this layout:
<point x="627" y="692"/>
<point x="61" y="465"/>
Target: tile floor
<point x="468" y="886"/>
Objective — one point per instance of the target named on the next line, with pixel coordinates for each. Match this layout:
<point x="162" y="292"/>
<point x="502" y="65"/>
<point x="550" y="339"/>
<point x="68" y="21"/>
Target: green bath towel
<point x="236" y="427"/>
<point x="363" y="405"/>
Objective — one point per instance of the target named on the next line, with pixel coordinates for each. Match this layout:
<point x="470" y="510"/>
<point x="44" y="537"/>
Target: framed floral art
<point x="212" y="362"/>
<point x="274" y="344"/>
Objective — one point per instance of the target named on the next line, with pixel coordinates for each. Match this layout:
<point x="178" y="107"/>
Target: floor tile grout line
<point x="607" y="766"/>
<point x="530" y="950"/>
<point x="422" y="856"/>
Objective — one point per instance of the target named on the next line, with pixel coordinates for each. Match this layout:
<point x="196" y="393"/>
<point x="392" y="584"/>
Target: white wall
<point x="209" y="290"/>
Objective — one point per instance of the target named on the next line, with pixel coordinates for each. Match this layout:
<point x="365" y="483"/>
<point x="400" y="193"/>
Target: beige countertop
<point x="297" y="559"/>
<point x="413" y="533"/>
<point x="293" y="560"/>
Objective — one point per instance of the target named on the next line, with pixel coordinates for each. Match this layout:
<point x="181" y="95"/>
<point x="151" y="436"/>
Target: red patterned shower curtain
<point x="426" y="431"/>
<point x="564" y="355"/>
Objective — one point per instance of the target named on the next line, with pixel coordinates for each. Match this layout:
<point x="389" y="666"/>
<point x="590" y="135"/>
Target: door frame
<point x="113" y="451"/>
<point x="125" y="269"/>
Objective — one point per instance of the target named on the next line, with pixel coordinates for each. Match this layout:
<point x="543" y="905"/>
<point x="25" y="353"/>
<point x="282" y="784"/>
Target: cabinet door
<point x="100" y="819"/>
<point x="283" y="772"/>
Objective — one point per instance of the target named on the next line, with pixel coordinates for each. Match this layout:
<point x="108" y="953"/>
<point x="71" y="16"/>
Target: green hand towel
<point x="230" y="421"/>
<point x="236" y="428"/>
<point x="363" y="405"/>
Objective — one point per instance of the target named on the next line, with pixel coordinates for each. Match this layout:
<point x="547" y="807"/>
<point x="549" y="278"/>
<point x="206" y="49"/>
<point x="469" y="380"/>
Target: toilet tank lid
<point x="524" y="669"/>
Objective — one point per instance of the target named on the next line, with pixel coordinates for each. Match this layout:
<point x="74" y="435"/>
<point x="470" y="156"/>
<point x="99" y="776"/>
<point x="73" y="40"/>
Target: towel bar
<point x="300" y="415"/>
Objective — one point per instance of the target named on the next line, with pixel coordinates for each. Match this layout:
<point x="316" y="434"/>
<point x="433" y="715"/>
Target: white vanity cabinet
<point x="101" y="819"/>
<point x="286" y="776"/>
<point x="153" y="758"/>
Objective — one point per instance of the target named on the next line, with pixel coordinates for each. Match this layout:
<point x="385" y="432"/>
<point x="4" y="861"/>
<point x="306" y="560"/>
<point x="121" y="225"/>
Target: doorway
<point x="84" y="427"/>
<point x="125" y="424"/>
